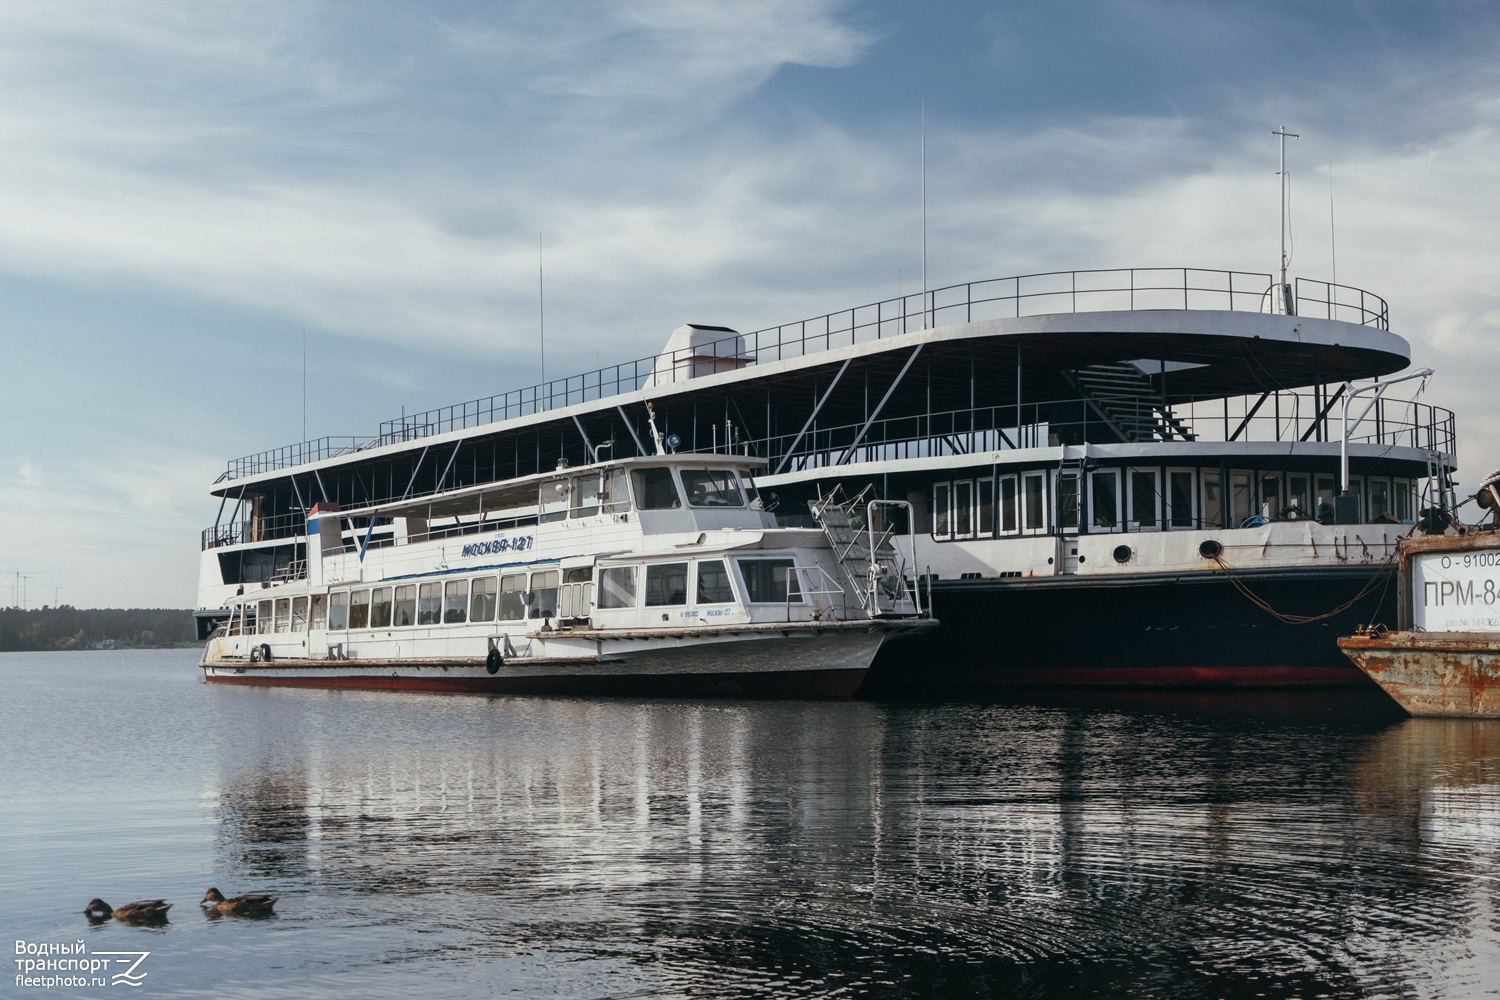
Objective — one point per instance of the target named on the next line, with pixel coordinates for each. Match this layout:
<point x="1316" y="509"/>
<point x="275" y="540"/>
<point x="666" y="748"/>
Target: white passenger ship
<point x="659" y="575"/>
<point x="1134" y="476"/>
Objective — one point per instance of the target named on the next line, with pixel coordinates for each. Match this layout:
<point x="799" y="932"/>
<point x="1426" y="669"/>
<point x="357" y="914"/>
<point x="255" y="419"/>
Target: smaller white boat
<point x="662" y="574"/>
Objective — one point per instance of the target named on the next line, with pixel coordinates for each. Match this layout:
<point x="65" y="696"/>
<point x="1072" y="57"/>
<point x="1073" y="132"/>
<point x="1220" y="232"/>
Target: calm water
<point x="456" y="846"/>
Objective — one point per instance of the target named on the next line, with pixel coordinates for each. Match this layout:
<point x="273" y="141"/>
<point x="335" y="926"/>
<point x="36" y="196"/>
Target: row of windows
<point x="539" y="594"/>
<point x="1147" y="499"/>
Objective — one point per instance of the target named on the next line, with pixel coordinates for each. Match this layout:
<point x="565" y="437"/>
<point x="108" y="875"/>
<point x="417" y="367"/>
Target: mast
<point x="1283" y="291"/>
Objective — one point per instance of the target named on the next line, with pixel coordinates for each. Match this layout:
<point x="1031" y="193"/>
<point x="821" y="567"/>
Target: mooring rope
<point x="1261" y="602"/>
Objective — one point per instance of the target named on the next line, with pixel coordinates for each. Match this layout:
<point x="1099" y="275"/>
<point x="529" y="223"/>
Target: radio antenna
<point x="541" y="312"/>
<point x="924" y="210"/>
<point x="1333" y="247"/>
<point x="1282" y="174"/>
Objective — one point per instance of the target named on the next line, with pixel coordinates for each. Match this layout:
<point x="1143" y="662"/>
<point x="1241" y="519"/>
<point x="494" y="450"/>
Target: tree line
<point x="68" y="627"/>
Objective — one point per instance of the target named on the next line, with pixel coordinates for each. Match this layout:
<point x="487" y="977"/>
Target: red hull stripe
<point x="1165" y="677"/>
<point x="775" y="684"/>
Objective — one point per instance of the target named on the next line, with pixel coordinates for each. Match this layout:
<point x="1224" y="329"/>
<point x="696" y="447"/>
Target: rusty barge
<point x="1443" y="659"/>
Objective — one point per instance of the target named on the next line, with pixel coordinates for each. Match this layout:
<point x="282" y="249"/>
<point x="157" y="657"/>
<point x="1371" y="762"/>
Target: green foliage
<point x="93" y="628"/>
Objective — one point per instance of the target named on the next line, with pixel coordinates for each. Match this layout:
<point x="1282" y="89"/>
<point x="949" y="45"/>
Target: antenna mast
<point x="541" y="311"/>
<point x="1282" y="174"/>
<point x="924" y="211"/>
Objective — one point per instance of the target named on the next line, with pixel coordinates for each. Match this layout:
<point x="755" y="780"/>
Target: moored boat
<point x="661" y="574"/>
<point x="1135" y="477"/>
<point x="1443" y="658"/>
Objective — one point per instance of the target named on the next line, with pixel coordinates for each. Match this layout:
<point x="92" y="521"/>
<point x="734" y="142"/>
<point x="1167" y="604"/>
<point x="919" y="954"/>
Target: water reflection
<point x="1165" y="848"/>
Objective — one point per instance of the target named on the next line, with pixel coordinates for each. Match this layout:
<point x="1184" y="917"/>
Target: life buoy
<point x="265" y="653"/>
<point x="493" y="661"/>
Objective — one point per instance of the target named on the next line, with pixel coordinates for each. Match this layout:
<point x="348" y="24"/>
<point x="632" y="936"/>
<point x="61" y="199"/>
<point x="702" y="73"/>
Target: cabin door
<point x="1069" y="481"/>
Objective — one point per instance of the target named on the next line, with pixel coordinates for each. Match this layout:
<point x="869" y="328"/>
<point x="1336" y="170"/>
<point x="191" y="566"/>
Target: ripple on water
<point x="621" y="848"/>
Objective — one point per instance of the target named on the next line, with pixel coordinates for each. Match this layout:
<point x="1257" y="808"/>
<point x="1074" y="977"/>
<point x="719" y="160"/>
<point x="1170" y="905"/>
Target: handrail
<point x="1044" y="293"/>
<point x="1281" y="416"/>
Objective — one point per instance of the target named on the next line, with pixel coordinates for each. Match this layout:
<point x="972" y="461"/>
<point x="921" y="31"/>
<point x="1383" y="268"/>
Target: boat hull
<point x="1183" y="631"/>
<point x="1452" y="674"/>
<point x="826" y="661"/>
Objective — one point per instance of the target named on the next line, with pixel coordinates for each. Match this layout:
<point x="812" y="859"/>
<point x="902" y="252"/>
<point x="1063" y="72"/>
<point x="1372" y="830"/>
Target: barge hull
<point x="1454" y="674"/>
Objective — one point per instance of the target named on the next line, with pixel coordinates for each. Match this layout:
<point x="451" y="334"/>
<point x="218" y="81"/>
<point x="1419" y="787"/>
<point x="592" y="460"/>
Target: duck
<point x="250" y="905"/>
<point x="142" y="911"/>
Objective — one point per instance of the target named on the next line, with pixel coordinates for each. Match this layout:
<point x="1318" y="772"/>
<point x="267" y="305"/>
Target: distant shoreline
<point x="48" y="629"/>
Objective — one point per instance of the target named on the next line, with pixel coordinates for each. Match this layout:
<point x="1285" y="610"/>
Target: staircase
<point x="877" y="580"/>
<point x="1129" y="404"/>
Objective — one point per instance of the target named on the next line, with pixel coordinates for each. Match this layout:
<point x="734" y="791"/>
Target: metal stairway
<point x="878" y="579"/>
<point x="1127" y="401"/>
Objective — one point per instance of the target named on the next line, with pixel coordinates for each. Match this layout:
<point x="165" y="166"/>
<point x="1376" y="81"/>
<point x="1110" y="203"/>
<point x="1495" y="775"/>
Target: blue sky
<point x="189" y="190"/>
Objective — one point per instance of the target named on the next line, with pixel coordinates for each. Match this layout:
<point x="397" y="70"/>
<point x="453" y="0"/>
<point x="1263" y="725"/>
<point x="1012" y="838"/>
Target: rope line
<point x="1260" y="602"/>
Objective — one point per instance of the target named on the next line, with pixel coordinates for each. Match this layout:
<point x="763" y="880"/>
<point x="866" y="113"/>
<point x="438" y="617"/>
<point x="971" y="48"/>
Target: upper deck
<point x="1061" y="317"/>
<point x="1137" y="356"/>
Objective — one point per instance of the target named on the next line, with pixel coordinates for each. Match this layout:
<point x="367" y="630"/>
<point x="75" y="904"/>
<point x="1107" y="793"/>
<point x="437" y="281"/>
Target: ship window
<point x="299" y="614"/>
<point x="263" y="622"/>
<point x="1270" y="496"/>
<point x="404" y="610"/>
<point x="713" y="583"/>
<point x="585" y="497"/>
<point x="963" y="509"/>
<point x="554" y="500"/>
<point x="768" y="580"/>
<point x="380" y="608"/>
<point x="338" y="610"/>
<point x="1380" y="499"/>
<point x="455" y="602"/>
<point x="544" y="594"/>
<point x="1239" y="499"/>
<point x="1297" y="495"/>
<point x="1035" y="509"/>
<point x="1180" y="498"/>
<point x="1403" y="496"/>
<point x="617" y="587"/>
<point x="429" y="603"/>
<point x="1104" y="499"/>
<point x="654" y="489"/>
<point x="1067" y="500"/>
<point x="986" y="507"/>
<point x="613" y="496"/>
<point x="359" y="609"/>
<point x="319" y="613"/>
<point x="942" y="510"/>
<point x="1327" y="487"/>
<point x="1009" y="512"/>
<point x="1143" y="497"/>
<point x="482" y="599"/>
<point x="666" y="584"/>
<point x="512" y="603"/>
<point x="283" y="614"/>
<point x="712" y="488"/>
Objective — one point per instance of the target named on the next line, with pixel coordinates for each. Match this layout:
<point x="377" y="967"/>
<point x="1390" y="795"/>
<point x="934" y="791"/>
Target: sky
<point x="193" y="197"/>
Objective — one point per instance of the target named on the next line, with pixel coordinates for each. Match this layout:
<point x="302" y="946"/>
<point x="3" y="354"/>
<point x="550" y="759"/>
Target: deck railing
<point x="1276" y="417"/>
<point x="1048" y="293"/>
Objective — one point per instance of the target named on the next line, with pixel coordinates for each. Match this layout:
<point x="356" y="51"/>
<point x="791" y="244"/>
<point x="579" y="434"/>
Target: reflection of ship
<point x="712" y="849"/>
<point x="661" y="574"/>
<point x="1117" y="477"/>
<point x="1443" y="659"/>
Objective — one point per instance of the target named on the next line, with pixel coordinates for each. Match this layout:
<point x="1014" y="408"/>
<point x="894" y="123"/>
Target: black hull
<point x="1183" y="631"/>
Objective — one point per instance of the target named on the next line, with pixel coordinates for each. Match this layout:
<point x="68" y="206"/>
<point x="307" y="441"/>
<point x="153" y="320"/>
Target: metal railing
<point x="1276" y="417"/>
<point x="1047" y="293"/>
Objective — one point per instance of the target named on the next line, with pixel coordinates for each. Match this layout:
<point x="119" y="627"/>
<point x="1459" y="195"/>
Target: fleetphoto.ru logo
<point x="53" y="966"/>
